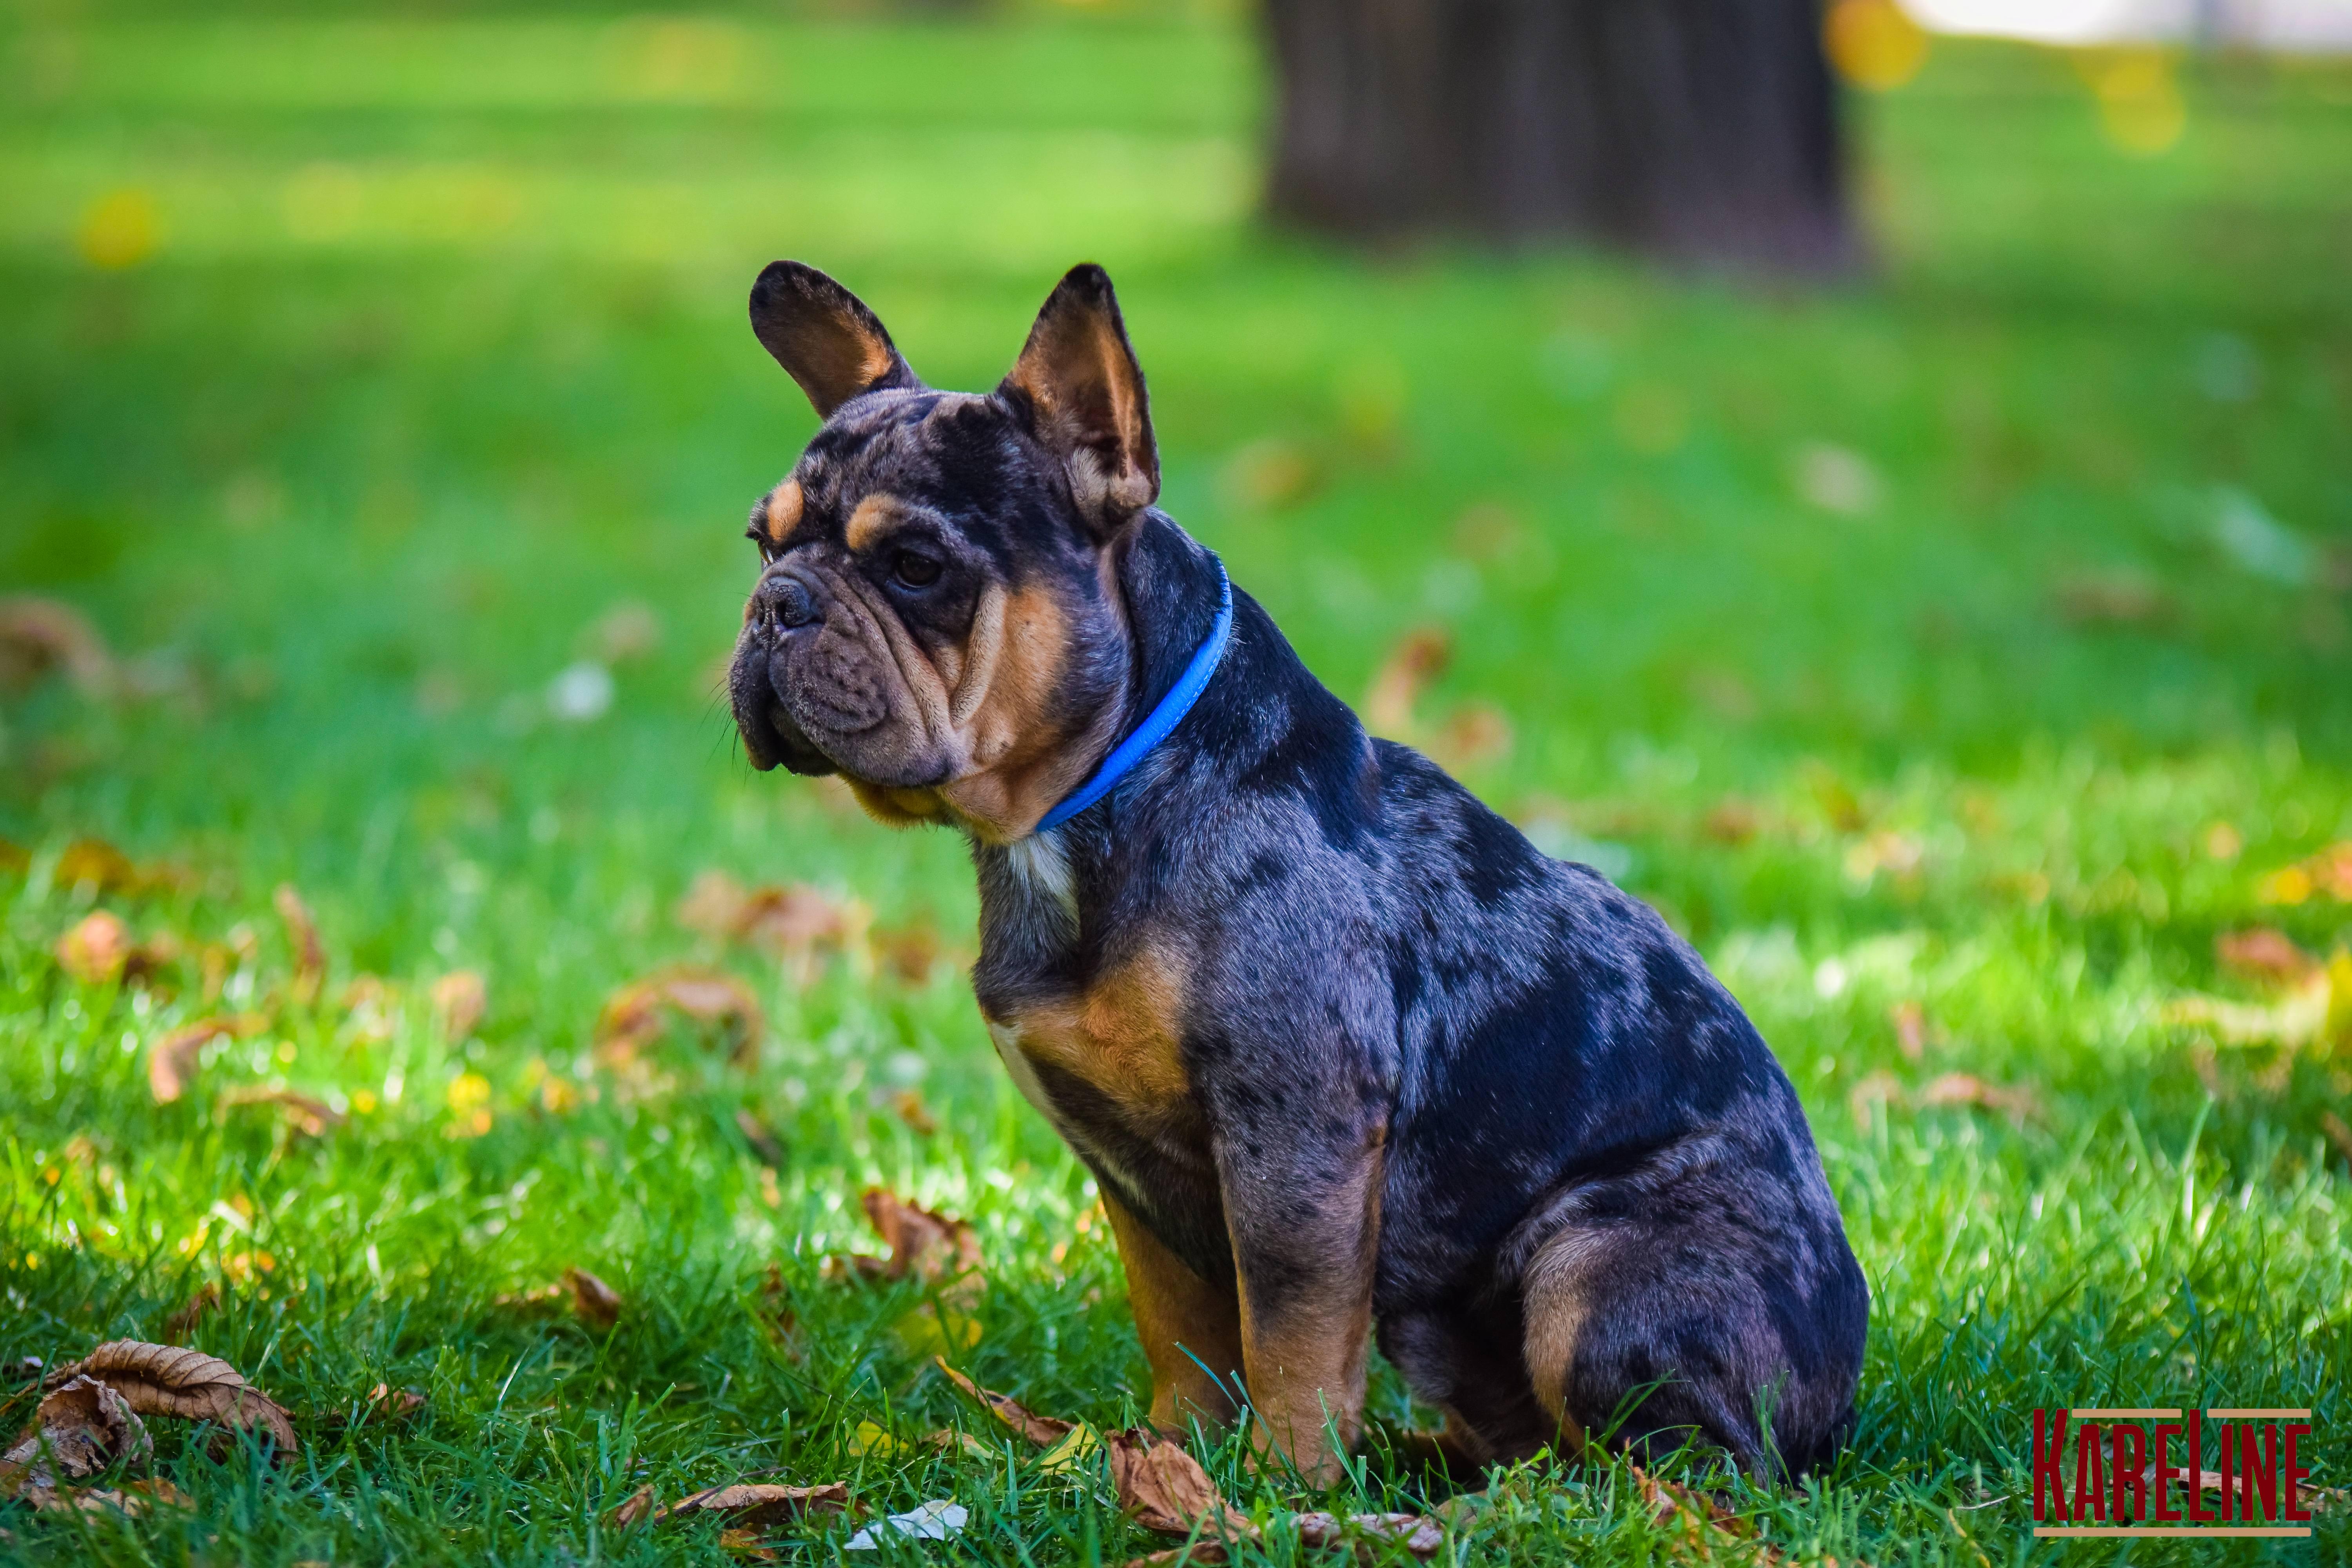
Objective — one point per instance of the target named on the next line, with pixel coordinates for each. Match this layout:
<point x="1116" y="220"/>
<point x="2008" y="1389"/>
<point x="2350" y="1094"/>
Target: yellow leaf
<point x="1077" y="1447"/>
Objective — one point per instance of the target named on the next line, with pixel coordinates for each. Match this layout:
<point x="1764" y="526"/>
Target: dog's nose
<point x="787" y="602"/>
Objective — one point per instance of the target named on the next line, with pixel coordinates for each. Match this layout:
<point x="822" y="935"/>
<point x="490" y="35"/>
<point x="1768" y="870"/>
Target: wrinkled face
<point x="936" y="617"/>
<point x="930" y="620"/>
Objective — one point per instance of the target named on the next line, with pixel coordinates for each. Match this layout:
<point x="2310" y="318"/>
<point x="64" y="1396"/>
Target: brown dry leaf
<point x="172" y="1061"/>
<point x="2265" y="954"/>
<point x="2016" y="1103"/>
<point x="791" y="922"/>
<point x="638" y="1507"/>
<point x="160" y="1380"/>
<point x="459" y="999"/>
<point x="908" y="1107"/>
<point x="302" y="939"/>
<point x="182" y="1322"/>
<point x="2316" y="1011"/>
<point x="98" y="950"/>
<point x="1419" y="1536"/>
<point x="1472" y="737"/>
<point x="79" y="1430"/>
<point x="1732" y="821"/>
<point x="386" y="1403"/>
<point x="1419" y="658"/>
<point x="1910" y="1021"/>
<point x="636" y="1015"/>
<point x="1206" y="1553"/>
<point x="1869" y="1097"/>
<point x="932" y="1247"/>
<point x="39" y="635"/>
<point x="1044" y="1431"/>
<point x="761" y="1506"/>
<point x="598" y="1304"/>
<point x="311" y="1118"/>
<point x="1165" y="1488"/>
<point x="911" y="952"/>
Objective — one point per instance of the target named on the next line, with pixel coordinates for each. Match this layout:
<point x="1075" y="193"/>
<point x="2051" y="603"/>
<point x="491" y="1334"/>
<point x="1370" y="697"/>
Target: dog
<point x="1345" y="1055"/>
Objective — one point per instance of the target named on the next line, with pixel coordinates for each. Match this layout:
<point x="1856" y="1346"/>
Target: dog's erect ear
<point x="825" y="336"/>
<point x="1079" y="384"/>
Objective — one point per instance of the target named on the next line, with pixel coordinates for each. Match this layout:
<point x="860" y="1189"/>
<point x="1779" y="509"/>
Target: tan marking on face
<point x="870" y="520"/>
<point x="1185" y="1323"/>
<point x="1021" y="761"/>
<point x="784" y="515"/>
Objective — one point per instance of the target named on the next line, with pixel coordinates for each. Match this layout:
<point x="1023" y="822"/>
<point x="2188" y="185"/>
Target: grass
<point x="417" y="374"/>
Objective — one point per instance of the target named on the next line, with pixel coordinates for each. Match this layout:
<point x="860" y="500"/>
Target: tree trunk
<point x="1704" y="129"/>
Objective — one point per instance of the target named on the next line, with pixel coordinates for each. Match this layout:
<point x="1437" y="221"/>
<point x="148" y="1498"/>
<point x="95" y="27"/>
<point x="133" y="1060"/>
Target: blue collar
<point x="1161" y="719"/>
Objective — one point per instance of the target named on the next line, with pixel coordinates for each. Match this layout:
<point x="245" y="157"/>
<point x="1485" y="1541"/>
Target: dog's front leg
<point x="1305" y="1219"/>
<point x="1191" y="1327"/>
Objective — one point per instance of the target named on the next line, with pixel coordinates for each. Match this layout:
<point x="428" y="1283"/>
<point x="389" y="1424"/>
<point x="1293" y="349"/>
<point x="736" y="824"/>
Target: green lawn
<point x="1954" y="656"/>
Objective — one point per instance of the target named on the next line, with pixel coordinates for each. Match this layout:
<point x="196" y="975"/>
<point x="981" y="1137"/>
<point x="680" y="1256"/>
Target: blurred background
<point x="1657" y="403"/>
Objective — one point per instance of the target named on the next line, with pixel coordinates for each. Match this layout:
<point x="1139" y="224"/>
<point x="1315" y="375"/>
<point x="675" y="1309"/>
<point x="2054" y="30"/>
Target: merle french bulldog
<point x="1347" y="1056"/>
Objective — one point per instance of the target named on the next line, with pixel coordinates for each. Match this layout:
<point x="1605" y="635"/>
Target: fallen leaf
<point x="2266" y="954"/>
<point x="760" y="1506"/>
<point x="638" y="1507"/>
<point x="97" y="950"/>
<point x="598" y="1304"/>
<point x="1732" y="821"/>
<point x="182" y="1322"/>
<point x="949" y="1441"/>
<point x="749" y="1545"/>
<point x="908" y="1105"/>
<point x="1419" y="658"/>
<point x="1206" y="1553"/>
<point x="1042" y="1431"/>
<point x="1472" y="737"/>
<point x="79" y="1430"/>
<point x="172" y="1061"/>
<point x="1966" y="1089"/>
<point x="933" y="1521"/>
<point x="911" y="952"/>
<point x="386" y="1402"/>
<point x="161" y="1380"/>
<point x="791" y="922"/>
<point x="302" y="939"/>
<point x="636" y="1015"/>
<point x="1166" y="1490"/>
<point x="871" y="1440"/>
<point x="1419" y="1536"/>
<point x="2316" y="1011"/>
<point x="1910" y="1021"/>
<point x="459" y="999"/>
<point x="933" y="1247"/>
<point x="38" y="636"/>
<point x="311" y="1118"/>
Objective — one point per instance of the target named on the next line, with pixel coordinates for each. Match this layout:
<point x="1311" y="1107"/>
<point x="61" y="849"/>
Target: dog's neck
<point x="1047" y="900"/>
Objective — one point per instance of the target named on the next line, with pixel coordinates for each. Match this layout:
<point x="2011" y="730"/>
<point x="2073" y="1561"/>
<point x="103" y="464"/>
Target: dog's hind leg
<point x="1650" y="1334"/>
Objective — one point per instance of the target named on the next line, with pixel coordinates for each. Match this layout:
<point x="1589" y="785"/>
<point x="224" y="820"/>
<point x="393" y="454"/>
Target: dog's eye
<point x="915" y="570"/>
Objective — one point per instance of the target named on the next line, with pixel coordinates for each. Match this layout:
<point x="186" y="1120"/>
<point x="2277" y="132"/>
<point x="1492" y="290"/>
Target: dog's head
<point x="936" y="617"/>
